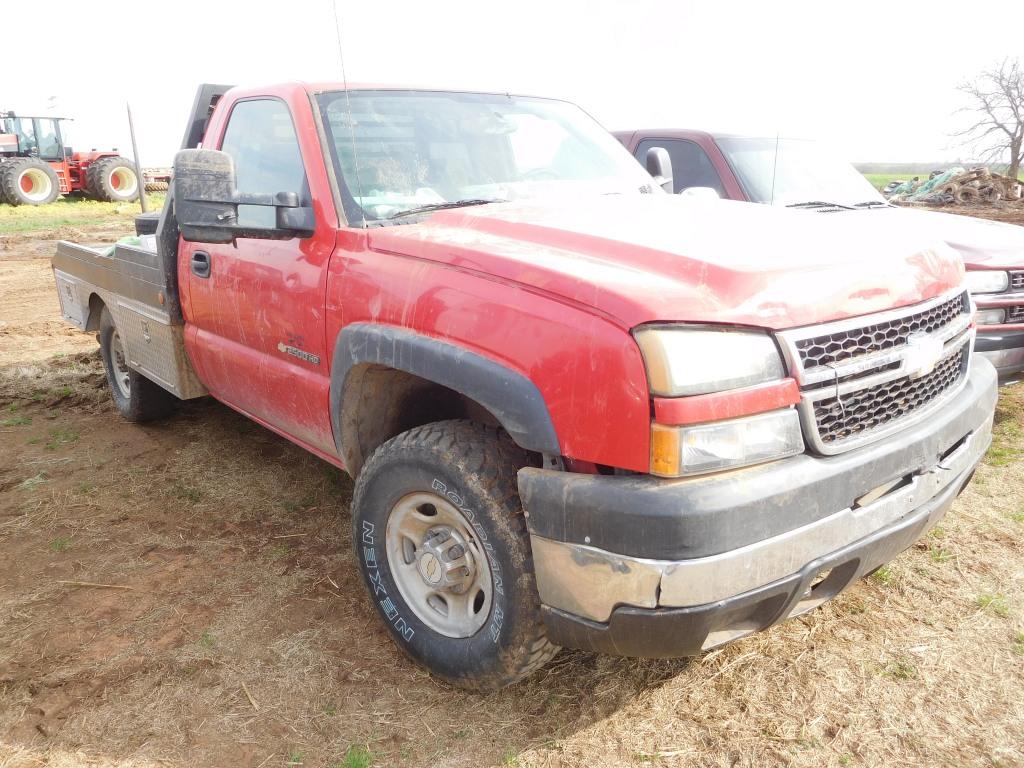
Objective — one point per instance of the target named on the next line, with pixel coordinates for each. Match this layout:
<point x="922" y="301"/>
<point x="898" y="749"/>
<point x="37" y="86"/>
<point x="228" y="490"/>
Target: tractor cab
<point x="33" y="137"/>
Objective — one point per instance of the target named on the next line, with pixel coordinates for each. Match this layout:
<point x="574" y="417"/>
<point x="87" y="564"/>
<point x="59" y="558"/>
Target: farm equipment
<point x="36" y="166"/>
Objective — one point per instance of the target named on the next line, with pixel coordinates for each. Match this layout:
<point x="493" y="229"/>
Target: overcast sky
<point x="875" y="79"/>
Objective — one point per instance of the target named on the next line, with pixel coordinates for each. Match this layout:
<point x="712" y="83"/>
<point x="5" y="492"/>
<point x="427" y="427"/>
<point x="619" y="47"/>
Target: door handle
<point x="201" y="264"/>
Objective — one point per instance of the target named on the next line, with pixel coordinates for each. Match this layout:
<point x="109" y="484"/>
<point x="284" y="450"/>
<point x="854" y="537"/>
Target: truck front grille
<point x="832" y="348"/>
<point x="1016" y="281"/>
<point x="839" y="419"/>
<point x="861" y="379"/>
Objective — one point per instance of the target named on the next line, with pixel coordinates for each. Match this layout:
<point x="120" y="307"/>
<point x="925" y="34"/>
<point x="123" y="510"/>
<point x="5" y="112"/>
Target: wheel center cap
<point x="430" y="569"/>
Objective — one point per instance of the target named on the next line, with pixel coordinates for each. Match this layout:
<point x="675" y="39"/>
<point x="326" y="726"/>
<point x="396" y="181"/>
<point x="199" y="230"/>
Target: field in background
<point x="70" y="211"/>
<point x="879" y="180"/>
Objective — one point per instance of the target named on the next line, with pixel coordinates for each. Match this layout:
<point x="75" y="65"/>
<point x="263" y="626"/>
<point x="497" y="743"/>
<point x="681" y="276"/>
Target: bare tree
<point x="996" y="99"/>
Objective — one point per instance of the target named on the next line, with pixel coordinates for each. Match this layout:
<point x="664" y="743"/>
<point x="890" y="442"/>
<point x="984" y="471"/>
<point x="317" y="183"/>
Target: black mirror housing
<point x="659" y="165"/>
<point x="206" y="202"/>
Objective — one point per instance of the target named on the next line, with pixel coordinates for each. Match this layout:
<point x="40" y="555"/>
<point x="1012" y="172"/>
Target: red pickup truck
<point x="578" y="411"/>
<point x="801" y="174"/>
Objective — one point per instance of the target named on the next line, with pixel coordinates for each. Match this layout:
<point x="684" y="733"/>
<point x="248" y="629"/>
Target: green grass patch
<point x="16" y="421"/>
<point x="355" y="757"/>
<point x="60" y="544"/>
<point x="1007" y="431"/>
<point x="883" y="575"/>
<point x="901" y="669"/>
<point x="70" y="211"/>
<point x="280" y="550"/>
<point x="994" y="604"/>
<point x="60" y="437"/>
<point x="1018" y="644"/>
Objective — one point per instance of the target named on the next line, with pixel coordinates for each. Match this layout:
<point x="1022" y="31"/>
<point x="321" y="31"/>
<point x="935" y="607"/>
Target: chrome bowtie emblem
<point x="923" y="353"/>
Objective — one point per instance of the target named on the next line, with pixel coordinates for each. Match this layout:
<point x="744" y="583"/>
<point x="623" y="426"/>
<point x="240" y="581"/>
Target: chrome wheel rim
<point x="119" y="364"/>
<point x="439" y="565"/>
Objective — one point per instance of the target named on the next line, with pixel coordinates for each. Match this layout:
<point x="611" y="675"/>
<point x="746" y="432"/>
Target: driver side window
<point x="260" y="137"/>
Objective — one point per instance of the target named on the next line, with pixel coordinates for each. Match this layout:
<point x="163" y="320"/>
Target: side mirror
<point x="706" y="192"/>
<point x="206" y="203"/>
<point x="659" y="165"/>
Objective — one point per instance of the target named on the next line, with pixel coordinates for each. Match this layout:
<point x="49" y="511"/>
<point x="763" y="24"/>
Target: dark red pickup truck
<point x="801" y="174"/>
<point x="578" y="411"/>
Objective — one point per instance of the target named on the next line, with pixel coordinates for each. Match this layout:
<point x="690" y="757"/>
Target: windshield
<point x="402" y="150"/>
<point x="800" y="172"/>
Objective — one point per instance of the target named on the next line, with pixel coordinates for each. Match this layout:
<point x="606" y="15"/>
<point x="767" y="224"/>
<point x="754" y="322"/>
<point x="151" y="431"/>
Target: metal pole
<point x="138" y="168"/>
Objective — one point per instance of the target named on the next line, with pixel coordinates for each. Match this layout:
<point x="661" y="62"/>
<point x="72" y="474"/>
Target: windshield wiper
<point x="872" y="203"/>
<point x="819" y="204"/>
<point x="443" y="206"/>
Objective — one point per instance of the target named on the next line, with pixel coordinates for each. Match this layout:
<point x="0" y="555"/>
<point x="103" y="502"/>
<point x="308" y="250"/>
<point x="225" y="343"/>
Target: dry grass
<point x="235" y="546"/>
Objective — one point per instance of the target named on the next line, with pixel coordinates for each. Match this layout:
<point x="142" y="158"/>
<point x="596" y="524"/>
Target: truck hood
<point x="647" y="258"/>
<point x="980" y="242"/>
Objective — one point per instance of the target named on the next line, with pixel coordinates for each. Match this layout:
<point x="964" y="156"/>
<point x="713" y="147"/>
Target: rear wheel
<point x="112" y="179"/>
<point x="28" y="181"/>
<point x="136" y="397"/>
<point x="444" y="550"/>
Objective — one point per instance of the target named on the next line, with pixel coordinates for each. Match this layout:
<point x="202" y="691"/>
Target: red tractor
<point x="36" y="166"/>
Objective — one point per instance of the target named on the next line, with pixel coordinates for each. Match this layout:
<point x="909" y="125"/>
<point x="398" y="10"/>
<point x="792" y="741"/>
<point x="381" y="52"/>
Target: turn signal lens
<point x="693" y="450"/>
<point x="990" y="316"/>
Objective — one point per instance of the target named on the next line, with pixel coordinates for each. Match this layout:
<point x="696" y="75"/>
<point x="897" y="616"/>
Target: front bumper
<point x="639" y="566"/>
<point x="1005" y="351"/>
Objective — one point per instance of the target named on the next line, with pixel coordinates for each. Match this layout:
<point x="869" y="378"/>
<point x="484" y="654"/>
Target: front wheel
<point x="136" y="397"/>
<point x="443" y="548"/>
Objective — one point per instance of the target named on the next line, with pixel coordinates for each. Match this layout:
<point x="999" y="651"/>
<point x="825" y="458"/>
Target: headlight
<point x="678" y="451"/>
<point x="987" y="281"/>
<point x="696" y="361"/>
<point x="990" y="316"/>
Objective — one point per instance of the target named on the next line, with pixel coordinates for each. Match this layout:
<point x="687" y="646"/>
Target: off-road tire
<point x="145" y="401"/>
<point x="474" y="466"/>
<point x="156" y="186"/>
<point x="11" y="190"/>
<point x="99" y="180"/>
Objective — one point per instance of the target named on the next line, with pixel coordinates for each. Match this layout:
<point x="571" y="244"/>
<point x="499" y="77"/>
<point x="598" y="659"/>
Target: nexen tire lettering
<point x="387" y="605"/>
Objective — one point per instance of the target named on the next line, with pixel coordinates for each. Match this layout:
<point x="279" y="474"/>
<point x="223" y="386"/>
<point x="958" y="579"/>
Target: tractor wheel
<point x="112" y="179"/>
<point x="28" y="181"/>
<point x="156" y="186"/>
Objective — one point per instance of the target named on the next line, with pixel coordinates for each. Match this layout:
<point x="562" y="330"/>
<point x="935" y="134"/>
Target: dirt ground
<point x="182" y="594"/>
<point x="1012" y="213"/>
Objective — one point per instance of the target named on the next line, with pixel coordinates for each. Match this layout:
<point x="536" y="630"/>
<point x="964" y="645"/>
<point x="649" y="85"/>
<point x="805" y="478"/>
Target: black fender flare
<point x="511" y="397"/>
